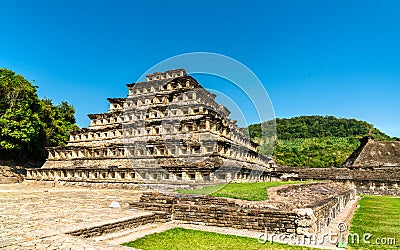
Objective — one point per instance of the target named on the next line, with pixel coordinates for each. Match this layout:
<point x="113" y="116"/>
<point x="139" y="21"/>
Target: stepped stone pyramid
<point x="168" y="129"/>
<point x="373" y="153"/>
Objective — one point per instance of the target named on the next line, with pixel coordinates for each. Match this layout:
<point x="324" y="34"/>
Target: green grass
<point x="179" y="238"/>
<point x="379" y="216"/>
<point x="255" y="191"/>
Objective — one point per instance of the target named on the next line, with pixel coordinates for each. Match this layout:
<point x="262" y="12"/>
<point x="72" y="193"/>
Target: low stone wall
<point x="148" y="175"/>
<point x="121" y="225"/>
<point x="224" y="212"/>
<point x="391" y="188"/>
<point x="85" y="184"/>
<point x="382" y="174"/>
<point x="7" y="176"/>
<point x="374" y="181"/>
<point x="325" y="207"/>
<point x="218" y="212"/>
<point x="327" y="210"/>
<point x="110" y="185"/>
<point x="241" y="218"/>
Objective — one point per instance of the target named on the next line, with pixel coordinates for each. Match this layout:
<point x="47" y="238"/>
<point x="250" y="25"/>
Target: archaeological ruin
<point x="168" y="129"/>
<point x="373" y="168"/>
<point x="374" y="154"/>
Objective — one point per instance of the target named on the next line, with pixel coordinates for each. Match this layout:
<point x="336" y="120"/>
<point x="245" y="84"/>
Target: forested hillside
<point x="27" y="123"/>
<point x="314" y="141"/>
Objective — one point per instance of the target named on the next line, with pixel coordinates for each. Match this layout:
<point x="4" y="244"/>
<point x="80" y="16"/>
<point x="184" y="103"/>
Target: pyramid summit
<point x="168" y="129"/>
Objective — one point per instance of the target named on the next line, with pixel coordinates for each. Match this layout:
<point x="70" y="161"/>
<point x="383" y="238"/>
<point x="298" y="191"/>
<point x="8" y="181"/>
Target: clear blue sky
<point x="338" y="58"/>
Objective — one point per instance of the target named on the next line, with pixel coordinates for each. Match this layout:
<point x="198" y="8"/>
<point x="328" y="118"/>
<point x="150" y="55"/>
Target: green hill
<point x="312" y="141"/>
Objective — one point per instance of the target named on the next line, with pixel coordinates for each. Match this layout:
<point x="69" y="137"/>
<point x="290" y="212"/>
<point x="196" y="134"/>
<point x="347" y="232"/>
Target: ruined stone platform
<point x="292" y="209"/>
<point x="62" y="217"/>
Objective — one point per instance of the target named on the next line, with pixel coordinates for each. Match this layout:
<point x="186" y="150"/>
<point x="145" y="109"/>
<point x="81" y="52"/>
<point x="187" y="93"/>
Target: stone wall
<point x="121" y="225"/>
<point x="382" y="174"/>
<point x="7" y="176"/>
<point x="324" y="205"/>
<point x="218" y="212"/>
<point x="374" y="181"/>
<point x="110" y="185"/>
<point x="148" y="175"/>
<point x="326" y="210"/>
<point x="375" y="187"/>
<point x="224" y="212"/>
<point x="87" y="184"/>
<point x="242" y="218"/>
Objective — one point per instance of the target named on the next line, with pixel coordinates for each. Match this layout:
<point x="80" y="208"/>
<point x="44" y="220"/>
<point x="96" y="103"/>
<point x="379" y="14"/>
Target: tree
<point x="28" y="124"/>
<point x="57" y="122"/>
<point x="19" y="121"/>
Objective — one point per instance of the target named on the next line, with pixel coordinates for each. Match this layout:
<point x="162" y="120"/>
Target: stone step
<point x="141" y="231"/>
<point x="126" y="232"/>
<point x="121" y="224"/>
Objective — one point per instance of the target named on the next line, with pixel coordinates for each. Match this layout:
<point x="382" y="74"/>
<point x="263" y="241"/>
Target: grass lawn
<point x="179" y="238"/>
<point x="379" y="216"/>
<point x="254" y="191"/>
